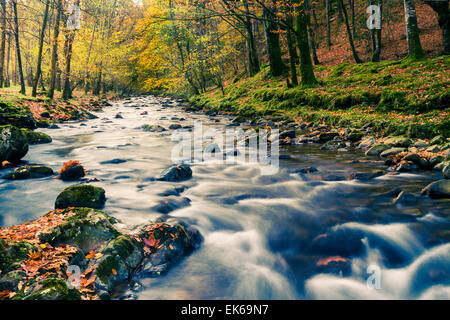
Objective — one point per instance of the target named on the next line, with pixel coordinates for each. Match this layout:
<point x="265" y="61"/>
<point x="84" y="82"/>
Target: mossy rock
<point x="152" y="128"/>
<point x="29" y="172"/>
<point x="11" y="280"/>
<point x="13" y="144"/>
<point x="34" y="137"/>
<point x="18" y="116"/>
<point x="12" y="253"/>
<point x="398" y="142"/>
<point x="81" y="196"/>
<point x="377" y="150"/>
<point x="438" y="140"/>
<point x="355" y="136"/>
<point x="438" y="190"/>
<point x="120" y="259"/>
<point x="48" y="289"/>
<point x="88" y="229"/>
<point x="175" y="240"/>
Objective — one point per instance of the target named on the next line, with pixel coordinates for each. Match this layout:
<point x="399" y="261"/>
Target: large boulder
<point x="81" y="196"/>
<point x="13" y="144"/>
<point x="438" y="189"/>
<point x="176" y="173"/>
<point x="29" y="172"/>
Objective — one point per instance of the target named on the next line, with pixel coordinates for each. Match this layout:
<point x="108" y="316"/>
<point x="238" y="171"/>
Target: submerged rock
<point x="366" y="176"/>
<point x="153" y="128"/>
<point x="405" y="198"/>
<point x="13" y="144"/>
<point x="34" y="137"/>
<point x="29" y="172"/>
<point x="333" y="145"/>
<point x="81" y="196"/>
<point x="171" y="204"/>
<point x="438" y="189"/>
<point x="176" y="173"/>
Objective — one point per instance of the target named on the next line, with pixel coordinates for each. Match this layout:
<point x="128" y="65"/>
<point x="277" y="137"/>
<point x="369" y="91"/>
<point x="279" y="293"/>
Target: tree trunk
<point x="327" y="9"/>
<point x="7" y="80"/>
<point x="277" y="66"/>
<point x="311" y="37"/>
<point x="67" y="92"/>
<point x="442" y="9"/>
<point x="19" y="57"/>
<point x="352" y="13"/>
<point x="415" y="50"/>
<point x="293" y="57"/>
<point x="41" y="46"/>
<point x="252" y="55"/>
<point x="301" y="32"/>
<point x="54" y="66"/>
<point x="2" y="42"/>
<point x="340" y="9"/>
<point x="349" y="33"/>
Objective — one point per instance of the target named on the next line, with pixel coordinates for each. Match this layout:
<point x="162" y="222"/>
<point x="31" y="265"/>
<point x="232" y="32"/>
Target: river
<point x="286" y="236"/>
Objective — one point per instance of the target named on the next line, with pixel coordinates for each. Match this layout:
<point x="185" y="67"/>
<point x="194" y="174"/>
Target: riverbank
<point x="402" y="97"/>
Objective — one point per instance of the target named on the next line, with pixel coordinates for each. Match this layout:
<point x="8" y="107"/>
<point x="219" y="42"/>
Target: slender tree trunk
<point x="19" y="57"/>
<point x="311" y="36"/>
<point x="443" y="11"/>
<point x="340" y="6"/>
<point x="253" y="60"/>
<point x="349" y="33"/>
<point x="2" y="42"/>
<point x="67" y="92"/>
<point x="277" y="66"/>
<point x="352" y="13"/>
<point x="301" y="32"/>
<point x="415" y="50"/>
<point x="41" y="46"/>
<point x="293" y="57"/>
<point x="372" y="32"/>
<point x="7" y="81"/>
<point x="86" y="71"/>
<point x="54" y="61"/>
<point x="327" y="10"/>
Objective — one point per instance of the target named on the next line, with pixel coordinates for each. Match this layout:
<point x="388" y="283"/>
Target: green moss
<point x="49" y="289"/>
<point x="34" y="137"/>
<point x="29" y="172"/>
<point x="12" y="253"/>
<point x="81" y="196"/>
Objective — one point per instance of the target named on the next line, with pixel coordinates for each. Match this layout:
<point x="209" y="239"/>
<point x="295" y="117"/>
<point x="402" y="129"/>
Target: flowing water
<point x="285" y="236"/>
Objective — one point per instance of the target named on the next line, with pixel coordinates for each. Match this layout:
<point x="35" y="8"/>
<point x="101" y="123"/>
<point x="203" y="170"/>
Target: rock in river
<point x="13" y="144"/>
<point x="34" y="137"/>
<point x="438" y="189"/>
<point x="29" y="172"/>
<point x="72" y="171"/>
<point x="176" y="173"/>
<point x="376" y="150"/>
<point x="81" y="196"/>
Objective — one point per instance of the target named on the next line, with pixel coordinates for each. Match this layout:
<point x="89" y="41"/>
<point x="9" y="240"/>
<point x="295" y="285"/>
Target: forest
<point x="349" y="99"/>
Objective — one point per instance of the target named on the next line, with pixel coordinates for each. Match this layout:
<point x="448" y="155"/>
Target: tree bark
<point x="54" y="61"/>
<point x="277" y="66"/>
<point x="443" y="11"/>
<point x="415" y="50"/>
<point x="327" y="13"/>
<point x="301" y="32"/>
<point x="2" y="42"/>
<point x="311" y="36"/>
<point x="19" y="57"/>
<point x="41" y="46"/>
<point x="293" y="57"/>
<point x="252" y="54"/>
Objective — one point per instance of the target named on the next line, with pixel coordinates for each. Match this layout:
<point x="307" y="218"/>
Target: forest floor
<point x="395" y="97"/>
